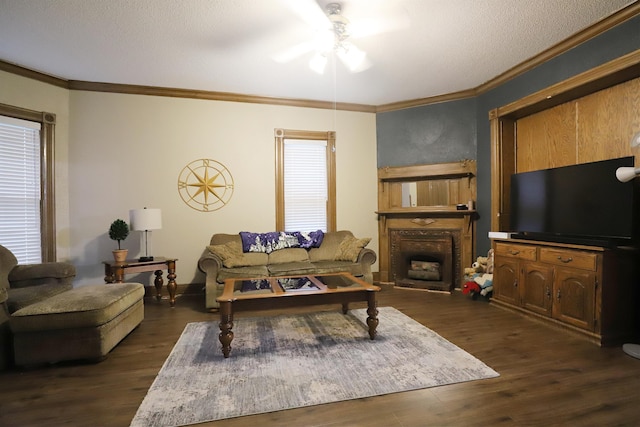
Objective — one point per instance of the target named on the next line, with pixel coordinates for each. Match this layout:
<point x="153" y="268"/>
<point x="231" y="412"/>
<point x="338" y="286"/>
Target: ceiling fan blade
<point x="293" y="52"/>
<point x="370" y="27"/>
<point x="309" y="12"/>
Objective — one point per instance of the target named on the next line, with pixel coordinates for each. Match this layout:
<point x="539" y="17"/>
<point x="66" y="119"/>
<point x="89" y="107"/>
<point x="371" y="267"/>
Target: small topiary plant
<point x="119" y="231"/>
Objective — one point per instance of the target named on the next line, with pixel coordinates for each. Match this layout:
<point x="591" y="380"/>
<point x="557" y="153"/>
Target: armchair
<point x="23" y="285"/>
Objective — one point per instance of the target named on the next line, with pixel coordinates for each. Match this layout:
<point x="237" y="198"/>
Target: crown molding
<point x="32" y="74"/>
<point x="401" y="105"/>
<point x="214" y="96"/>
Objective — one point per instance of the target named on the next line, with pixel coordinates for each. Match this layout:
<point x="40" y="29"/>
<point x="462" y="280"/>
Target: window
<point x="27" y="220"/>
<point x="305" y="180"/>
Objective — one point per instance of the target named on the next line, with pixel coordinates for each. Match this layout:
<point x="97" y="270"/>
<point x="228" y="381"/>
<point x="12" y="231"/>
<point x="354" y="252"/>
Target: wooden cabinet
<point x="590" y="290"/>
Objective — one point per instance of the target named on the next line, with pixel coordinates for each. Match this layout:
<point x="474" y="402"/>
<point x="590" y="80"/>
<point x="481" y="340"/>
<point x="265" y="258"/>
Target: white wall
<point x="126" y="151"/>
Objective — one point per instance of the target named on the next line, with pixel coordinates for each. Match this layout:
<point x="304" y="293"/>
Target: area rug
<point x="291" y="361"/>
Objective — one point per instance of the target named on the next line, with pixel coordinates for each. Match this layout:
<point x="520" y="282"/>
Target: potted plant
<point x="119" y="231"/>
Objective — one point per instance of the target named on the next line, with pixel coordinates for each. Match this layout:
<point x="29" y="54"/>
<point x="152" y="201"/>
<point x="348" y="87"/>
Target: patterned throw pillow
<point x="232" y="256"/>
<point x="350" y="248"/>
<point x="310" y="239"/>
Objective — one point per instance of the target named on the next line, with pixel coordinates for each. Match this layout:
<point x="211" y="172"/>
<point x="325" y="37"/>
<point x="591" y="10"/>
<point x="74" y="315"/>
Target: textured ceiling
<point x="442" y="46"/>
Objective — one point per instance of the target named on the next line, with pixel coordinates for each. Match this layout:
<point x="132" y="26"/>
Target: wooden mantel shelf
<point x="426" y="210"/>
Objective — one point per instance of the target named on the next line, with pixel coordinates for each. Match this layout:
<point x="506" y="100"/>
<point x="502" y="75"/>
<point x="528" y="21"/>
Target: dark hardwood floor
<point x="547" y="377"/>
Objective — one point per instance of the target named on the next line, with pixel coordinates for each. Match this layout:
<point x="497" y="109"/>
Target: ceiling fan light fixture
<point x="352" y="57"/>
<point x="325" y="41"/>
<point x="318" y="63"/>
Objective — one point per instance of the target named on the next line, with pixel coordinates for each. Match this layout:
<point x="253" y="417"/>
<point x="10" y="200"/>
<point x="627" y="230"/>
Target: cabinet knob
<point x="515" y="283"/>
<point x="513" y="252"/>
<point x="548" y="293"/>
<point x="565" y="260"/>
<point x="558" y="295"/>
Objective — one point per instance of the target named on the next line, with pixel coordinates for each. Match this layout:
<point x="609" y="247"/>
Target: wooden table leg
<point x="108" y="274"/>
<point x="372" y="311"/>
<point x="226" y="324"/>
<point x="158" y="282"/>
<point x="171" y="284"/>
<point x="345" y="307"/>
<point x="119" y="274"/>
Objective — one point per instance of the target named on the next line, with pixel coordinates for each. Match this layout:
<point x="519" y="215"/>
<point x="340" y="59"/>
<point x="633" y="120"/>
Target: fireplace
<point x="424" y="258"/>
<point x="426" y="221"/>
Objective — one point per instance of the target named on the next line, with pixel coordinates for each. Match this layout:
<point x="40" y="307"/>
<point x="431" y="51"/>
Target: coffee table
<point x="293" y="291"/>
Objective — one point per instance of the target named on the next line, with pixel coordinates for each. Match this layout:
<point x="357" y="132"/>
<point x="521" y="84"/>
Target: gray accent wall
<point x="456" y="130"/>
<point x="436" y="133"/>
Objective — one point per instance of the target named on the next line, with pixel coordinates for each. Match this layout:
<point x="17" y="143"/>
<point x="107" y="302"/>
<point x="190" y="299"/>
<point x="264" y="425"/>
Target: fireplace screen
<point x="423" y="259"/>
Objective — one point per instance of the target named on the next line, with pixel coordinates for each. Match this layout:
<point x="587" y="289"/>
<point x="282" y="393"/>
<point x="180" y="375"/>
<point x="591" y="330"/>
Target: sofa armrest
<point x="210" y="263"/>
<point x="367" y="256"/>
<point x="38" y="274"/>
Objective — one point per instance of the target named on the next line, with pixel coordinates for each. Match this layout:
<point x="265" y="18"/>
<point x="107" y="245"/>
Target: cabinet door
<point x="574" y="297"/>
<point x="505" y="280"/>
<point x="536" y="288"/>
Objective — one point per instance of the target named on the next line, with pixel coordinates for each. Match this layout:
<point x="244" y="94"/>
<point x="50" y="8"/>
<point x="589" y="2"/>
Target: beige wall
<point x="126" y="151"/>
<point x="33" y="95"/>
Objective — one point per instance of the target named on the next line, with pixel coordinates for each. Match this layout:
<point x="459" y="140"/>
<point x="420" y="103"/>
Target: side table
<point x="115" y="271"/>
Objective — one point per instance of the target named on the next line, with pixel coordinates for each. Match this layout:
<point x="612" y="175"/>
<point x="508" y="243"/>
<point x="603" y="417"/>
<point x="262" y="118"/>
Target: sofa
<point x="339" y="251"/>
<point x="23" y="285"/>
<point x="44" y="319"/>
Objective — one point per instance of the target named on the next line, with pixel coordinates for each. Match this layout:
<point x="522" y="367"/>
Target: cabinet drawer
<point x="516" y="251"/>
<point x="575" y="259"/>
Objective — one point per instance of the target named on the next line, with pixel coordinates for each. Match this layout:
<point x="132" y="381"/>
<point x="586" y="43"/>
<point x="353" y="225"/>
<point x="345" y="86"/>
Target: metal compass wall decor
<point x="205" y="185"/>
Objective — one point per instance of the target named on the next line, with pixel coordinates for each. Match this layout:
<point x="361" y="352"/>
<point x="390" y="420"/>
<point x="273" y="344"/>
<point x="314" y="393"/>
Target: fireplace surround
<point x="431" y="228"/>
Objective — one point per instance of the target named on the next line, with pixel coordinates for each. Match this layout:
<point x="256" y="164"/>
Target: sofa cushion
<point x="242" y="272"/>
<point x="291" y="268"/>
<point x="329" y="246"/>
<point x="350" y="247"/>
<point x="288" y="255"/>
<point x="22" y="297"/>
<point x="232" y="256"/>
<point x="91" y="305"/>
<point x="324" y="267"/>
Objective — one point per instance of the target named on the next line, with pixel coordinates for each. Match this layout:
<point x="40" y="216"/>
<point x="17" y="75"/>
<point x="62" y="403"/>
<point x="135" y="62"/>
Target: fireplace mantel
<point x="438" y="189"/>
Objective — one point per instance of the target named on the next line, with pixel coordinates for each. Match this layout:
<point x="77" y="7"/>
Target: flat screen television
<point x="581" y="204"/>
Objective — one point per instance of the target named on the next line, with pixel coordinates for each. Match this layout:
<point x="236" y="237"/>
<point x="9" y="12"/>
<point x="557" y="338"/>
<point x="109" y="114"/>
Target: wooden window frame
<point x="47" y="174"/>
<point x="283" y="134"/>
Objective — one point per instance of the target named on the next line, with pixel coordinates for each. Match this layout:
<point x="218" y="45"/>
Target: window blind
<point x="20" y="188"/>
<point x="305" y="185"/>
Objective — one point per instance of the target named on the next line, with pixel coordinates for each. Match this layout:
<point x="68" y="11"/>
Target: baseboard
<point x="182" y="289"/>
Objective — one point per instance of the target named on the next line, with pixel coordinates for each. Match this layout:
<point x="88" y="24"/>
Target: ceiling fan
<point x="334" y="33"/>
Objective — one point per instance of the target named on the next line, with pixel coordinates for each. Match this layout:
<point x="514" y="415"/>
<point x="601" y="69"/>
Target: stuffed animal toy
<point x="479" y="276"/>
<point x="490" y="261"/>
<point x="470" y="288"/>
<point x="480" y="266"/>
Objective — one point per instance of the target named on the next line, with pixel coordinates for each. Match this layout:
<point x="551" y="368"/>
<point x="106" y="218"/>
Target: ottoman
<point x="82" y="323"/>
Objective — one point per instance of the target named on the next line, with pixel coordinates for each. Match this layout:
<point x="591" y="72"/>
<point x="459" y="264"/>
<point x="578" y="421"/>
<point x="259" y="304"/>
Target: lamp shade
<point x="626" y="174"/>
<point x="145" y="219"/>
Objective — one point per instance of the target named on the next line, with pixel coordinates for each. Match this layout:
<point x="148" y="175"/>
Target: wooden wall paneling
<point x="503" y="165"/>
<point x="607" y="120"/>
<point x="617" y="83"/>
<point x="395" y="194"/>
<point x="547" y="139"/>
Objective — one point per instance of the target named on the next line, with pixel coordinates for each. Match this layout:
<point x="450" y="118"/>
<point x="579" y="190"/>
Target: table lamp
<point x="145" y="220"/>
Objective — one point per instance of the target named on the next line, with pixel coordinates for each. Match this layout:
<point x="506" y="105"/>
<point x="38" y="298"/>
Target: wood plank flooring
<point x="548" y="376"/>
